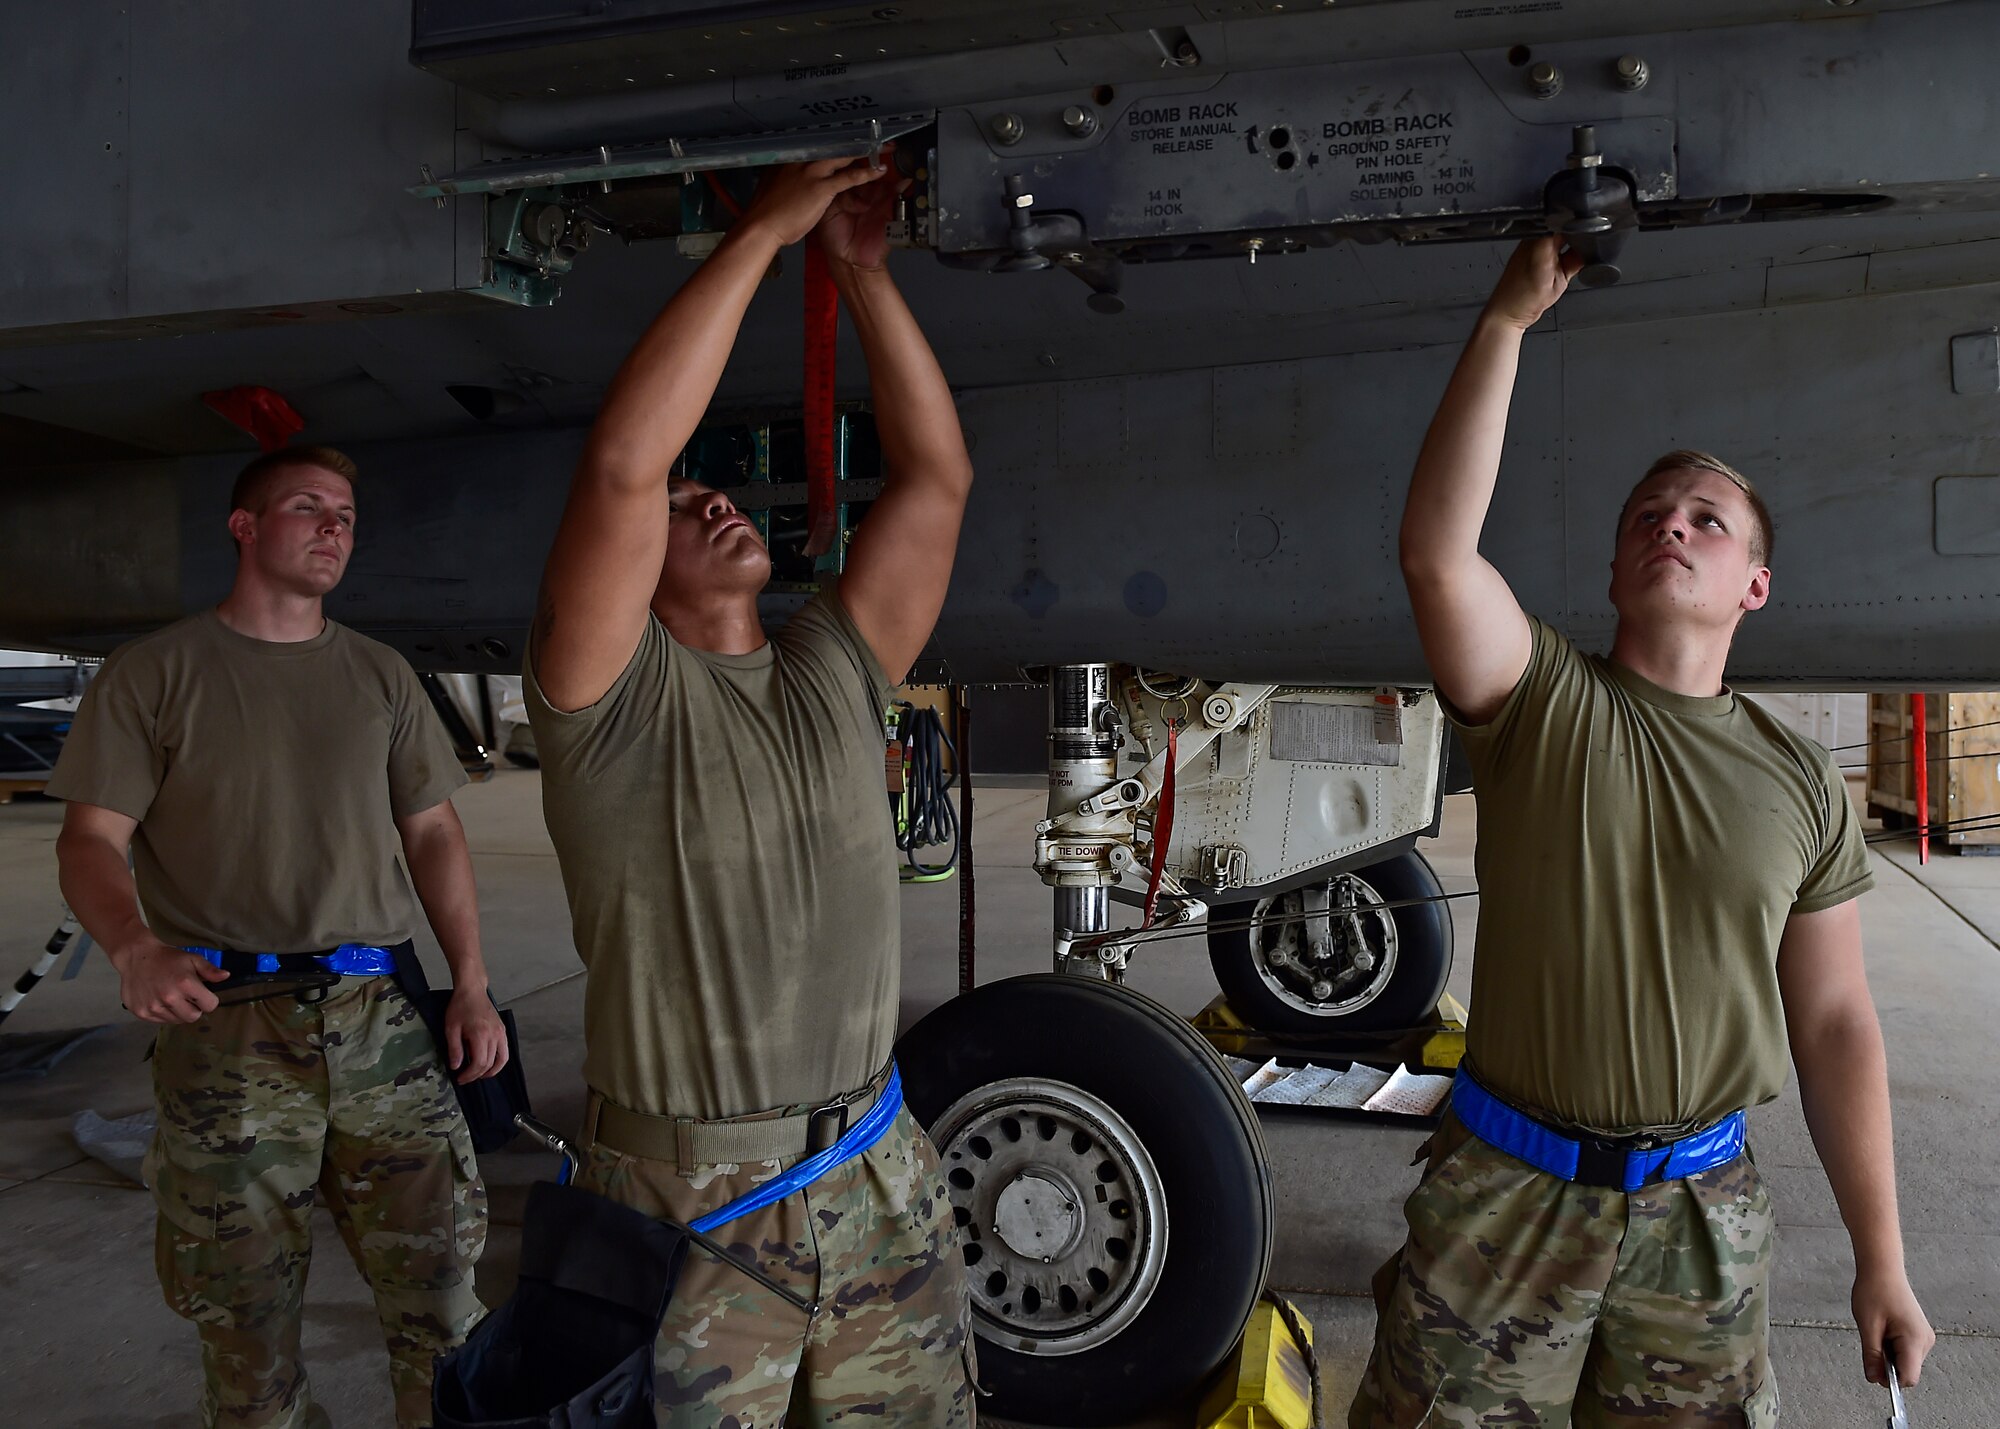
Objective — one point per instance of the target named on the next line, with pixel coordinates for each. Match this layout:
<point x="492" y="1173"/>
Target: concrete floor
<point x="86" y="1342"/>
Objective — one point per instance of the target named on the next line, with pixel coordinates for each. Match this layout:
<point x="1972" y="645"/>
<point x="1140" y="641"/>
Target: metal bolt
<point x="1253" y="246"/>
<point x="545" y="224"/>
<point x="1186" y="53"/>
<point x="1079" y="121"/>
<point x="1069" y="257"/>
<point x="1008" y="128"/>
<point x="1545" y="81"/>
<point x="1632" y="73"/>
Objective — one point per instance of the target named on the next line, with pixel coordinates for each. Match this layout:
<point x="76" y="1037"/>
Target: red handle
<point x="1163" y="825"/>
<point x="1923" y="767"/>
<point x="822" y="332"/>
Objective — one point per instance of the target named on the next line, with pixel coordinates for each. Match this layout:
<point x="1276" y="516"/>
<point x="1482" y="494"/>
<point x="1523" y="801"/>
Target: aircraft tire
<point x="1413" y="947"/>
<point x="1045" y="1093"/>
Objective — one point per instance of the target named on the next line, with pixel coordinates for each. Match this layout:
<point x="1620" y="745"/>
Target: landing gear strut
<point x="1106" y="1170"/>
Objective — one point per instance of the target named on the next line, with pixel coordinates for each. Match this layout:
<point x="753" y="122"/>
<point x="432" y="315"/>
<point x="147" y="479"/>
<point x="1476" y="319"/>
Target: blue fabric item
<point x="348" y="960"/>
<point x="1520" y="1135"/>
<point x="858" y="1138"/>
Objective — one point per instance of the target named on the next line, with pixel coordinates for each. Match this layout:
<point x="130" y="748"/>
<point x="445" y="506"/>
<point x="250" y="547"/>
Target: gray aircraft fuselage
<point x="1209" y="480"/>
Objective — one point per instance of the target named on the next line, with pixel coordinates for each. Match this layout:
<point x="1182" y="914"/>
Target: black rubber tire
<point x="1195" y="1123"/>
<point x="1423" y="959"/>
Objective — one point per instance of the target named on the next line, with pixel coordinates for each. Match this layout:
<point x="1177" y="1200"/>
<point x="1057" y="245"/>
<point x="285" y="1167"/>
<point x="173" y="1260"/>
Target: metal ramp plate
<point x="1434" y="1047"/>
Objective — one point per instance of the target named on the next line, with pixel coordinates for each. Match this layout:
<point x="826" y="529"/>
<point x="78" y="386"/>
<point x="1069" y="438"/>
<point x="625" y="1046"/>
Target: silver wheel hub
<point x="1061" y="1212"/>
<point x="1328" y="950"/>
<point x="1038" y="1217"/>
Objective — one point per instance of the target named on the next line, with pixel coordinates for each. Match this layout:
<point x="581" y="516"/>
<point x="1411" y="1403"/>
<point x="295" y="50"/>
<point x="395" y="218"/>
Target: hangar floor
<point x="85" y="1341"/>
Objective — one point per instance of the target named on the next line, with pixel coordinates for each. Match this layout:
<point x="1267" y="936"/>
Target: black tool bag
<point x="572" y="1347"/>
<point x="491" y="1102"/>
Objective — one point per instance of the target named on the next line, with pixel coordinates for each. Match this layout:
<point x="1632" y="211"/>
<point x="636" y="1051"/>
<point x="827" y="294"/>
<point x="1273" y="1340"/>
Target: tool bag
<point x="491" y="1103"/>
<point x="572" y="1347"/>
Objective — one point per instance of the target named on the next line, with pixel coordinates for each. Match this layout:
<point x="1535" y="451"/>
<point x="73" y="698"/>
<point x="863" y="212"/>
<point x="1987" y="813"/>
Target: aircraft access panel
<point x="1288" y="149"/>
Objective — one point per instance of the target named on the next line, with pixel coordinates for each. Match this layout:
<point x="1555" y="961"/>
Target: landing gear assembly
<point x="1106" y="1170"/>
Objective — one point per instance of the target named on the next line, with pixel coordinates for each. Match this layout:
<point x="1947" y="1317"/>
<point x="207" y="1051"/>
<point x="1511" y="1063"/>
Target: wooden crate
<point x="13" y="784"/>
<point x="1964" y="742"/>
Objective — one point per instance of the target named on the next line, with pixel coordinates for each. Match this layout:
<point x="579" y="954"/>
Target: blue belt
<point x="855" y="1140"/>
<point x="1590" y="1162"/>
<point x="348" y="960"/>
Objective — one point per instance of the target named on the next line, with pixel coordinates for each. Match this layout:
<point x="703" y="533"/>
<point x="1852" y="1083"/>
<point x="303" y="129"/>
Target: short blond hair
<point x="253" y="483"/>
<point x="1763" y="540"/>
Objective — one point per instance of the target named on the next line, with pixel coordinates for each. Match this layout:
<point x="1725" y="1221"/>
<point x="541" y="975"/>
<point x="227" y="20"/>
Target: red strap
<point x="728" y="199"/>
<point x="1923" y="768"/>
<point x="1163" y="824"/>
<point x="260" y="412"/>
<point x="822" y="332"/>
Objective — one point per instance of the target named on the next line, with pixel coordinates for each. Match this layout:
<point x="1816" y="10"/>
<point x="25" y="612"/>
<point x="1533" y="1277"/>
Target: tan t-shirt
<point x="1639" y="853"/>
<point x="725" y="840"/>
<point x="266" y="778"/>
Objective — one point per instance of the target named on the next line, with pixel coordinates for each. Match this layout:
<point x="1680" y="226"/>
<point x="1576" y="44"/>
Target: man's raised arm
<point x="900" y="565"/>
<point x="1474" y="634"/>
<point x="605" y="562"/>
<point x="1844" y="1090"/>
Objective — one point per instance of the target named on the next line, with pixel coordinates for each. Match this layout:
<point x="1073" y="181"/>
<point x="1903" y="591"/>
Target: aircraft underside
<point x="1207" y="480"/>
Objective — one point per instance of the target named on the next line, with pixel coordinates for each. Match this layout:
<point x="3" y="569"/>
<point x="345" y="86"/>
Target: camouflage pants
<point x="1521" y="1299"/>
<point x="873" y="1241"/>
<point x="261" y="1103"/>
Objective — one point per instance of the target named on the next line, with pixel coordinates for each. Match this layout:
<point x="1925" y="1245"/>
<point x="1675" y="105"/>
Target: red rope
<point x="728" y="199"/>
<point x="1923" y="778"/>
<point x="822" y="333"/>
<point x="1163" y="824"/>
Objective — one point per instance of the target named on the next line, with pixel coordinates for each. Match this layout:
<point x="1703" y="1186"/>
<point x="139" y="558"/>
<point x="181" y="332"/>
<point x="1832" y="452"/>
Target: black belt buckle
<point x="307" y="987"/>
<point x="304" y="975"/>
<point x="1602" y="1163"/>
<point x="825" y="1127"/>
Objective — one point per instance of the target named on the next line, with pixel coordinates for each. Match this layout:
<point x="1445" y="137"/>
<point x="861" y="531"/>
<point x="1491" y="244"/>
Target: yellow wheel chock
<point x="1268" y="1384"/>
